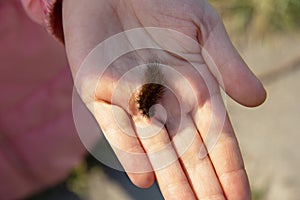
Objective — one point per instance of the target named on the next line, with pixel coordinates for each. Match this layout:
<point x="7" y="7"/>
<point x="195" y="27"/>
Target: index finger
<point x="224" y="152"/>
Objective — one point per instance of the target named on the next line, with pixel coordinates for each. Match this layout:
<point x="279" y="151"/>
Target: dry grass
<point x="259" y="17"/>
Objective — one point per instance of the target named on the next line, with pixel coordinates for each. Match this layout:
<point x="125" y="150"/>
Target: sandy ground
<point x="268" y="135"/>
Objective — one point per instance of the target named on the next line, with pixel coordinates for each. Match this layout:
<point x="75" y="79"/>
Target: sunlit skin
<point x="219" y="175"/>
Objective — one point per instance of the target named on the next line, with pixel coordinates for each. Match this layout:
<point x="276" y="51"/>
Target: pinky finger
<point x="117" y="128"/>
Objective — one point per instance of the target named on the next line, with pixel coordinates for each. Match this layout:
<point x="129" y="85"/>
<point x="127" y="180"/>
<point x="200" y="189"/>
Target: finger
<point x="229" y="68"/>
<point x="118" y="130"/>
<point x="200" y="171"/>
<point x="221" y="143"/>
<point x="169" y="174"/>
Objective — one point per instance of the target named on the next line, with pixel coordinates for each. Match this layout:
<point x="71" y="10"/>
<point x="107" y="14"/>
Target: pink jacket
<point x="38" y="142"/>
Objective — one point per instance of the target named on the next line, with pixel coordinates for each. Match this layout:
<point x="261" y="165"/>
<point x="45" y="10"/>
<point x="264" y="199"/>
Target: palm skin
<point x="219" y="174"/>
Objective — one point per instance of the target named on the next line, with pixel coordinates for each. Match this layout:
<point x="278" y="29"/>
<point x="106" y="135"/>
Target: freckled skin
<point x="152" y="91"/>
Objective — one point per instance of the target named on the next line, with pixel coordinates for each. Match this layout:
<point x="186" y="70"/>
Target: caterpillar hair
<point x="152" y="91"/>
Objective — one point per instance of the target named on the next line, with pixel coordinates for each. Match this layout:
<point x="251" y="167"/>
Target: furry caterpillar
<point x="152" y="91"/>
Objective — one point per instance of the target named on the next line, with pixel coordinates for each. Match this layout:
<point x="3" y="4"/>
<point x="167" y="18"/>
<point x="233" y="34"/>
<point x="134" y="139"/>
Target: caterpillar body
<point x="152" y="91"/>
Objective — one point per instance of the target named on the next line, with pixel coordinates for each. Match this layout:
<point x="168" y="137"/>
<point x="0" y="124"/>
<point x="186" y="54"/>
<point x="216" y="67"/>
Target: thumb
<point x="230" y="69"/>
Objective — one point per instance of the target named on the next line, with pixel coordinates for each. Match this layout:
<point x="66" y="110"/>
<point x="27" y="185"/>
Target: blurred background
<point x="266" y="33"/>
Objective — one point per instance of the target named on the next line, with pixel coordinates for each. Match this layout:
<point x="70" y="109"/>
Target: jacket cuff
<point x="53" y="18"/>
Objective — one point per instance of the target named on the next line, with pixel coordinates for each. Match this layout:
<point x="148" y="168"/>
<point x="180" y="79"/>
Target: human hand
<point x="193" y="100"/>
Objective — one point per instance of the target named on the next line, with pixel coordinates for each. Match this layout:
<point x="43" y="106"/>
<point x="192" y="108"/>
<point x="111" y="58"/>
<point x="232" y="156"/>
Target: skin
<point x="218" y="175"/>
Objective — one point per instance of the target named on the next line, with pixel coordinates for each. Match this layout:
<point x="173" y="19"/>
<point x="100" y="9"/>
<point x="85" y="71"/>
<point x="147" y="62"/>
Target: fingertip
<point x="144" y="180"/>
<point x="242" y="85"/>
<point x="261" y="96"/>
<point x="253" y="98"/>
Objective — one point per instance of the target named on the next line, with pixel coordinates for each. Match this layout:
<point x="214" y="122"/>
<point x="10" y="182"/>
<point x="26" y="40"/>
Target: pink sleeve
<point x="47" y="13"/>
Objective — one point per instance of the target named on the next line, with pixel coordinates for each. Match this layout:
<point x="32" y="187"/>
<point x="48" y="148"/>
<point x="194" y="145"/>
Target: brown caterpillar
<point x="152" y="91"/>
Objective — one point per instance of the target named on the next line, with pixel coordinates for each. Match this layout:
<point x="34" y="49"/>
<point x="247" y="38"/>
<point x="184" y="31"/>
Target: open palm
<point x="188" y="145"/>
